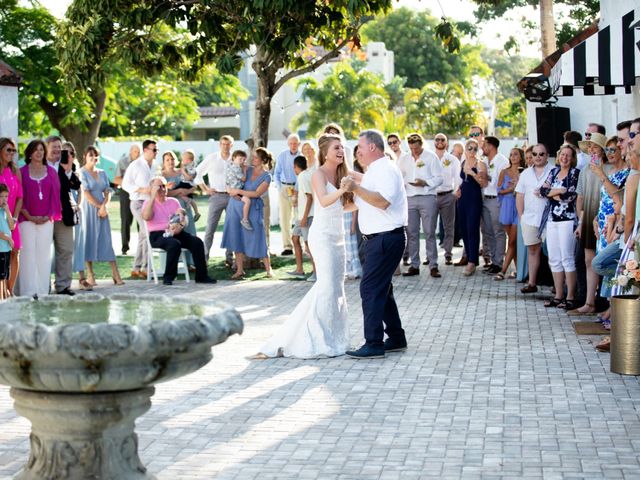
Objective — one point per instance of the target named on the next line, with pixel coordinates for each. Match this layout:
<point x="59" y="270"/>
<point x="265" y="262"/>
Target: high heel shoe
<point x="91" y="280"/>
<point x="117" y="280"/>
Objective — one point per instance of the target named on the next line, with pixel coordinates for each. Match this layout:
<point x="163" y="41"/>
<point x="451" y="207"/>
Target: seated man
<point x="159" y="212"/>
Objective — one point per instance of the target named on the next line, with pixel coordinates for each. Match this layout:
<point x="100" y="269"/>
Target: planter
<point x="625" y="335"/>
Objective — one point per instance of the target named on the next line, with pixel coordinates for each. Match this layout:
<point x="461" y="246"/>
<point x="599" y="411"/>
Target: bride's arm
<point x="319" y="184"/>
<point x="357" y="176"/>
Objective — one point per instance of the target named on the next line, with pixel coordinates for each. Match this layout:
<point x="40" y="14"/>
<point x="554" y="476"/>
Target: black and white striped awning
<point x="603" y="63"/>
<point x="601" y="60"/>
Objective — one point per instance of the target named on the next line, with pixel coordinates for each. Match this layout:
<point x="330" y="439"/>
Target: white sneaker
<point x="312" y="277"/>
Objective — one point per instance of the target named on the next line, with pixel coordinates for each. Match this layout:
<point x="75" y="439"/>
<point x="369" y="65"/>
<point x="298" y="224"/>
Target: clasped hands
<point x="348" y="184"/>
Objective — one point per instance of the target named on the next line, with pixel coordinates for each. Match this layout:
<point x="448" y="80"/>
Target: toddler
<point x="235" y="178"/>
<point x="614" y="226"/>
<point x="188" y="174"/>
<point x="7" y="224"/>
<point x="177" y="222"/>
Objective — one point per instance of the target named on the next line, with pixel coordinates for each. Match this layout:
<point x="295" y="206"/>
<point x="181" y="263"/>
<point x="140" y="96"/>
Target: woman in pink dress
<point x="40" y="208"/>
<point x="10" y="176"/>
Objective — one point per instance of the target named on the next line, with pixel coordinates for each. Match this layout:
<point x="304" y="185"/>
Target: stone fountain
<point x="82" y="370"/>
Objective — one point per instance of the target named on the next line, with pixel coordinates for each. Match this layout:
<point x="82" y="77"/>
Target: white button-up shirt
<point x="533" y="205"/>
<point x="215" y="167"/>
<point x="426" y="167"/>
<point x="383" y="177"/>
<point x="451" y="167"/>
<point x="138" y="175"/>
<point x="494" y="167"/>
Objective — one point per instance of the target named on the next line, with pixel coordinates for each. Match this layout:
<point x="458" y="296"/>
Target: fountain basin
<point x="82" y="370"/>
<point x="91" y="343"/>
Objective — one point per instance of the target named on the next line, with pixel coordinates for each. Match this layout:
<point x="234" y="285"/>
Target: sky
<point x="493" y="34"/>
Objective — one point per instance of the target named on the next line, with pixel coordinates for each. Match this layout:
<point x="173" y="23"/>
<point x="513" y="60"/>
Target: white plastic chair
<point x="183" y="266"/>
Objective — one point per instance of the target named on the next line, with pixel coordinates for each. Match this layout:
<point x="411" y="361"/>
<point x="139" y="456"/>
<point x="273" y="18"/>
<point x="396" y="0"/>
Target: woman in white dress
<point x="318" y="326"/>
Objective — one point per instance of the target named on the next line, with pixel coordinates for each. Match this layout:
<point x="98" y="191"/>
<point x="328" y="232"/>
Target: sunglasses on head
<point x="474" y="134"/>
<point x="610" y="150"/>
<point x="538" y="154"/>
<point x="413" y="139"/>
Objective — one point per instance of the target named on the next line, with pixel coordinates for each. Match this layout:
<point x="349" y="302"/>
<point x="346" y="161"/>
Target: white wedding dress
<point x="318" y="326"/>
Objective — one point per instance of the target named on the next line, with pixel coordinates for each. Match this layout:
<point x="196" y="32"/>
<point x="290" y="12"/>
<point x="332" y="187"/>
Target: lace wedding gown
<point x="318" y="326"/>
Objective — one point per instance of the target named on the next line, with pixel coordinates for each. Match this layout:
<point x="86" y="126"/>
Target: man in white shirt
<point x="136" y="182"/>
<point x="395" y="144"/>
<point x="214" y="167"/>
<point x="285" y="179"/>
<point x="530" y="206"/>
<point x="422" y="175"/>
<point x="447" y="193"/>
<point x="494" y="236"/>
<point x="382" y="205"/>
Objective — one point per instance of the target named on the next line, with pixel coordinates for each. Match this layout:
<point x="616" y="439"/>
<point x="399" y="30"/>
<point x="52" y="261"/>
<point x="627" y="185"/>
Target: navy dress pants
<point x="173" y="246"/>
<point x="382" y="255"/>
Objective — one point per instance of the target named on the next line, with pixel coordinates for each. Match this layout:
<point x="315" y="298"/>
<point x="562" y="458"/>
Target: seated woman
<point x="249" y="243"/>
<point x="157" y="212"/>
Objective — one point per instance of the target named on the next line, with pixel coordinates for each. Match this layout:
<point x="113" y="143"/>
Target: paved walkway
<point x="493" y="386"/>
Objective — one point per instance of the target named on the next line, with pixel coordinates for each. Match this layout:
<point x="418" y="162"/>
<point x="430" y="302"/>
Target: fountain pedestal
<point x="83" y="369"/>
<point x="81" y="436"/>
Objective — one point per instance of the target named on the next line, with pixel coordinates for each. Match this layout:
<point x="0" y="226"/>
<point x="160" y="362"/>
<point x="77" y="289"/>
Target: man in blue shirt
<point x="285" y="179"/>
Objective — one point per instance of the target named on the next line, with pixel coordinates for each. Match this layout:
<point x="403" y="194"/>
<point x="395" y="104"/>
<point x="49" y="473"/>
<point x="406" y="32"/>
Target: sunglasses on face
<point x="472" y="149"/>
<point x="610" y="150"/>
<point x="10" y="150"/>
<point x="632" y="135"/>
<point x="392" y="142"/>
<point x="440" y="140"/>
<point x="587" y="134"/>
<point x="538" y="154"/>
<point x="474" y="134"/>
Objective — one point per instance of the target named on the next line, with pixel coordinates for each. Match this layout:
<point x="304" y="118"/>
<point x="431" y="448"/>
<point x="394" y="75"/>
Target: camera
<point x="64" y="157"/>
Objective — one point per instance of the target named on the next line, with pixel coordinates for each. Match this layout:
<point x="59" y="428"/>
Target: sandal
<point x="499" y="276"/>
<point x="578" y="312"/>
<point x="568" y="305"/>
<point x="237" y="276"/>
<point x="513" y="275"/>
<point x="85" y="285"/>
<point x="604" y="345"/>
<point x="529" y="289"/>
<point x="553" y="302"/>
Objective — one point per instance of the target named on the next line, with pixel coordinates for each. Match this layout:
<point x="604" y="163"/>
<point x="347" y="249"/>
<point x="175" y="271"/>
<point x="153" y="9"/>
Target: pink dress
<point x="11" y="180"/>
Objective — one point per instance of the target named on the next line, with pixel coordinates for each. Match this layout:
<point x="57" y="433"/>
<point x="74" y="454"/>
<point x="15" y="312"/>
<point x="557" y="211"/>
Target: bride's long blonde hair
<point x="324" y="142"/>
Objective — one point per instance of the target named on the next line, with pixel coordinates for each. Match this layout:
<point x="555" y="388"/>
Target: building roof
<point x="8" y="76"/>
<point x="599" y="59"/>
<point x="208" y="112"/>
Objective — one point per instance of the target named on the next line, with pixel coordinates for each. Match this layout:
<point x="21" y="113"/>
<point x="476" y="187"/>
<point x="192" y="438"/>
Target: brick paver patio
<point x="493" y="386"/>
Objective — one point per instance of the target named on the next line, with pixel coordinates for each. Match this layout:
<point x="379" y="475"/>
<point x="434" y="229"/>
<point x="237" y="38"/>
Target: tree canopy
<point x="419" y="56"/>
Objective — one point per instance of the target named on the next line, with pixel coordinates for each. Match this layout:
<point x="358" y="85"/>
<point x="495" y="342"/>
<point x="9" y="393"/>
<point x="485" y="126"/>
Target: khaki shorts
<point x="530" y="235"/>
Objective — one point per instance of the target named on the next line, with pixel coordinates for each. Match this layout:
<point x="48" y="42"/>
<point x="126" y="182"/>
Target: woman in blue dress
<point x="249" y="243"/>
<point x="95" y="230"/>
<point x="474" y="178"/>
<point x="508" y="214"/>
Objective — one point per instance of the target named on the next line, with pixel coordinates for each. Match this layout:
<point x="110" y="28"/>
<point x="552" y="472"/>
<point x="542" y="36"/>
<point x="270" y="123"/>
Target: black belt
<point x="285" y="183"/>
<point x="490" y="196"/>
<point x="372" y="235"/>
<point x="445" y="193"/>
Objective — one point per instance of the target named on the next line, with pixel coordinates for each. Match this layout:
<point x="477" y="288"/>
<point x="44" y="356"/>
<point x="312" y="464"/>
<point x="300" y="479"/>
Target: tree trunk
<point x="260" y="134"/>
<point x="80" y="134"/>
<point x="547" y="28"/>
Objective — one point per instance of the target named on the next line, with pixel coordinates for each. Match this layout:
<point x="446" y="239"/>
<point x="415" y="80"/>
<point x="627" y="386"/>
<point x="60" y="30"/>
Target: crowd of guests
<point x="575" y="214"/>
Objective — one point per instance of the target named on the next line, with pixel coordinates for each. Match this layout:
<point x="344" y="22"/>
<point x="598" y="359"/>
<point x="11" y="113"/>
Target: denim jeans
<point x="605" y="264"/>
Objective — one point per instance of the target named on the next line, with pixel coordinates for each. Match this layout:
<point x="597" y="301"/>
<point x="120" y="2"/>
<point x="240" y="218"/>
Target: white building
<point x="595" y="75"/>
<point x="287" y="102"/>
<point x="9" y="83"/>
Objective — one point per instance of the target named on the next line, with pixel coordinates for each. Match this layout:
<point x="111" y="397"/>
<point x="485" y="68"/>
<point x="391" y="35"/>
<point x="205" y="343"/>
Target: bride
<point x="318" y="327"/>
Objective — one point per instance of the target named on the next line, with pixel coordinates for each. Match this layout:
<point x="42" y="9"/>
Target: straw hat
<point x="596" y="138"/>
